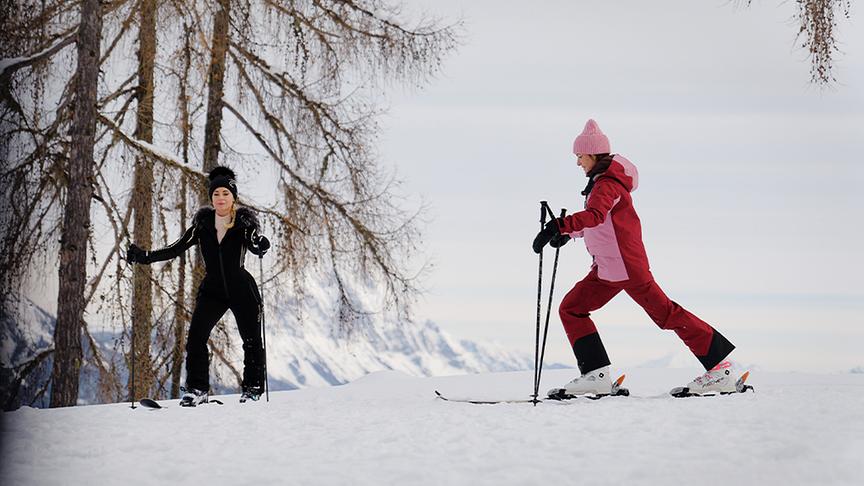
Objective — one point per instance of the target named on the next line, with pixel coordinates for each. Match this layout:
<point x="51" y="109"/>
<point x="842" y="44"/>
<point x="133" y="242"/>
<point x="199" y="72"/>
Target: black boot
<point x="251" y="393"/>
<point x="192" y="397"/>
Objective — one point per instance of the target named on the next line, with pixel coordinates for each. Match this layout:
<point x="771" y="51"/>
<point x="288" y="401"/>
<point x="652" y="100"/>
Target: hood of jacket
<point x="244" y="219"/>
<point x="623" y="171"/>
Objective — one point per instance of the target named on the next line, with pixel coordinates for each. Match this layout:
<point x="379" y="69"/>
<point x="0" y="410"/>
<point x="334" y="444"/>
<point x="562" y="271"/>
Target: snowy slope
<point x="387" y="428"/>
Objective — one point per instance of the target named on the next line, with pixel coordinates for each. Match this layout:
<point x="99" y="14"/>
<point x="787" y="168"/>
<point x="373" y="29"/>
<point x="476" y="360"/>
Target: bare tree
<point x="216" y="88"/>
<point x="142" y="203"/>
<point x="76" y="216"/>
<point x="817" y="34"/>
<point x="298" y="78"/>
<point x="301" y="73"/>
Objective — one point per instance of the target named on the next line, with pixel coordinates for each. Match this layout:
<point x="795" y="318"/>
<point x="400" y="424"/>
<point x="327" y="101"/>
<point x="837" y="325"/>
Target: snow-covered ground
<point x="388" y="428"/>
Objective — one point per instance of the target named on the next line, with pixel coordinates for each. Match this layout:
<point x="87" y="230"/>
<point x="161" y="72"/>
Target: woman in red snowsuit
<point x="613" y="236"/>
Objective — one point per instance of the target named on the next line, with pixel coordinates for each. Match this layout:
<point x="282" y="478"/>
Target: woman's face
<point x="586" y="161"/>
<point x="222" y="200"/>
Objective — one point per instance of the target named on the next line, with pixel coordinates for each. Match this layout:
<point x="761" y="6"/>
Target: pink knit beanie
<point x="591" y="141"/>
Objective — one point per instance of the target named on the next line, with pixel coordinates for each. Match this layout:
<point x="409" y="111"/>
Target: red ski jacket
<point x="610" y="226"/>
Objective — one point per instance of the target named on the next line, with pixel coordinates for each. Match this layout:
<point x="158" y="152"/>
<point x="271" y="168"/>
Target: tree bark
<point x="142" y="207"/>
<point x="76" y="217"/>
<point x="216" y="89"/>
<point x="213" y="123"/>
<point x="181" y="317"/>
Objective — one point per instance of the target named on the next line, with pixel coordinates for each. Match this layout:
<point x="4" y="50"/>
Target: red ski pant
<point x="592" y="293"/>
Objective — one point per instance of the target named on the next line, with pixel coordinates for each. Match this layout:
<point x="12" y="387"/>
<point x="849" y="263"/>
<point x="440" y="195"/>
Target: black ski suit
<point x="226" y="285"/>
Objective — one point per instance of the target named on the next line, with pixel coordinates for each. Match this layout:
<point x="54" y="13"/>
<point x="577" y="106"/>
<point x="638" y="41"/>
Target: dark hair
<point x="603" y="161"/>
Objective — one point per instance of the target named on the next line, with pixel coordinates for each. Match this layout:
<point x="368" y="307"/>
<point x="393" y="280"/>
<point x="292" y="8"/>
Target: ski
<point x="154" y="405"/>
<point x="741" y="386"/>
<point x="556" y="395"/>
<point x="484" y="402"/>
<point x="150" y="403"/>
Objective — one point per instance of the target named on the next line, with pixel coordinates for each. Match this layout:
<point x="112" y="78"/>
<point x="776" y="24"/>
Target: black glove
<point x="545" y="235"/>
<point x="260" y="245"/>
<point x="136" y="255"/>
<point x="559" y="240"/>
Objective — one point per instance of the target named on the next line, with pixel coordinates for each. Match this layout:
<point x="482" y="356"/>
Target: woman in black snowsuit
<point x="223" y="233"/>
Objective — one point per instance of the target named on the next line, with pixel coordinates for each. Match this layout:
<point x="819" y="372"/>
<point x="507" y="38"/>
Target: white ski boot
<point x="718" y="380"/>
<point x="595" y="383"/>
<point x="192" y="397"/>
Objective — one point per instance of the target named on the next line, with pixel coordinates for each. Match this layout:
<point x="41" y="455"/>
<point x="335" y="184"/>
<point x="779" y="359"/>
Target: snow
<point x="8" y="62"/>
<point x="387" y="428"/>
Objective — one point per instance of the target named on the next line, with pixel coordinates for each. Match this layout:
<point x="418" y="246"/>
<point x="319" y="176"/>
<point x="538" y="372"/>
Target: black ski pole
<point x="548" y="311"/>
<point x="539" y="298"/>
<point x="263" y="328"/>
<point x="133" y="364"/>
<point x="132" y="368"/>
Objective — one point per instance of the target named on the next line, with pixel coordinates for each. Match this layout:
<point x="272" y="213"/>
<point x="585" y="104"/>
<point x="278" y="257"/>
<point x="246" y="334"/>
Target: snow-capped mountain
<point x="306" y="346"/>
<point x="310" y="355"/>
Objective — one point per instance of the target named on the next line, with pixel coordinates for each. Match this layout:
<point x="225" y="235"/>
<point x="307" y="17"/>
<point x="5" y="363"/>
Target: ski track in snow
<point x="388" y="428"/>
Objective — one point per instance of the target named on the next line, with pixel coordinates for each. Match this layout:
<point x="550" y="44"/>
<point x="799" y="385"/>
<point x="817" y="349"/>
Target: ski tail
<point x="741" y="385"/>
<point x="618" y="390"/>
<point x="484" y="402"/>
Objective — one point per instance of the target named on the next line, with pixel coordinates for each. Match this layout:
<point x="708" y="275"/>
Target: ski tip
<point x="149" y="403"/>
<point x="620" y="380"/>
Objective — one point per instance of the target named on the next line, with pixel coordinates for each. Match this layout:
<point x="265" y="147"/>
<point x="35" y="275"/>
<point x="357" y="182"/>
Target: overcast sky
<point x="750" y="177"/>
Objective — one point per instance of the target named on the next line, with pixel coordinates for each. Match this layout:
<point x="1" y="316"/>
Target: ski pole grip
<point x="543" y="206"/>
<point x="563" y="213"/>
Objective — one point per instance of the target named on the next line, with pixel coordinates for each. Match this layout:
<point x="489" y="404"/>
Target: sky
<point x="750" y="176"/>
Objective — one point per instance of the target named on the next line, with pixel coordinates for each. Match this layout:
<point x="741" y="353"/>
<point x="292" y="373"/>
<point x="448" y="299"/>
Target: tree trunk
<point x="213" y="124"/>
<point x="180" y="315"/>
<point x="142" y="206"/>
<point x="76" y="217"/>
<point x="181" y="318"/>
<point x="216" y="89"/>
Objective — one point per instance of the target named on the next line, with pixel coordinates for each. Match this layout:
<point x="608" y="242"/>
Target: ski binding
<point x="617" y="391"/>
<point x="741" y="386"/>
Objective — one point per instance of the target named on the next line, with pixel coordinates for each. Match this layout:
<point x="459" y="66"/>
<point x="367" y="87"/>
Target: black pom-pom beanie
<point x="223" y="177"/>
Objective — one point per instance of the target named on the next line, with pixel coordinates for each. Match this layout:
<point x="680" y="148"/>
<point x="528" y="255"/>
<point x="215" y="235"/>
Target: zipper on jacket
<point x="222" y="268"/>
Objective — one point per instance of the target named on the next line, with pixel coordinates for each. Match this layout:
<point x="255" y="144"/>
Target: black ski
<point x="154" y="405"/>
<point x="149" y="403"/>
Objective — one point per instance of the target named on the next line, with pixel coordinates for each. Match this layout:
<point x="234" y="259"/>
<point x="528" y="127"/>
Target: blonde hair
<point x="233" y="216"/>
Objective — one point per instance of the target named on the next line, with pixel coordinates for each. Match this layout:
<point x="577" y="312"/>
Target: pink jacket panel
<point x="611" y="227"/>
